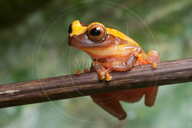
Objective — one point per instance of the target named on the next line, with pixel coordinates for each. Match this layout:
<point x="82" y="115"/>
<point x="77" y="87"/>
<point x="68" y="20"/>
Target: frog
<point x="112" y="50"/>
<point x="109" y="48"/>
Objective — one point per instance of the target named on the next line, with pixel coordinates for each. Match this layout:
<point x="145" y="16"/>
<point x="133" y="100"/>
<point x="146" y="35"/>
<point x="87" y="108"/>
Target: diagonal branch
<point x="63" y="87"/>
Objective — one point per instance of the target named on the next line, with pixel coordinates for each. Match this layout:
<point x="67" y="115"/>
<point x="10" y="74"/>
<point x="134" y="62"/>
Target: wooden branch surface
<point x="63" y="87"/>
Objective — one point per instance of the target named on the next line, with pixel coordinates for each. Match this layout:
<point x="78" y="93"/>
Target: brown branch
<point x="70" y="86"/>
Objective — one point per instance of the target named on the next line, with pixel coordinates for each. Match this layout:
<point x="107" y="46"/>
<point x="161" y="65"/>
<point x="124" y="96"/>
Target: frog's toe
<point x="86" y="70"/>
<point x="108" y="77"/>
<point x="101" y="77"/>
<point x="154" y="64"/>
<point x="79" y="72"/>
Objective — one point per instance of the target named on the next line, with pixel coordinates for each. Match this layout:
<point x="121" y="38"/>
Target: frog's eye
<point x="96" y="32"/>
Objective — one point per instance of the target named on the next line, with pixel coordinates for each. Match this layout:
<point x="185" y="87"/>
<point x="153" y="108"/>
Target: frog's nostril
<point x="70" y="29"/>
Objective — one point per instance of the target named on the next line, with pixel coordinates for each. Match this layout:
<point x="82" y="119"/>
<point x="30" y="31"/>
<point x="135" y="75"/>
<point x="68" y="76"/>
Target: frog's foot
<point x="103" y="75"/>
<point x="99" y="69"/>
<point x="102" y="72"/>
<point x="107" y="75"/>
<point x="153" y="57"/>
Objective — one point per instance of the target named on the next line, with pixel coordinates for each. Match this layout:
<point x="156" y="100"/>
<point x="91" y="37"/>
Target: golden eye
<point x="96" y="32"/>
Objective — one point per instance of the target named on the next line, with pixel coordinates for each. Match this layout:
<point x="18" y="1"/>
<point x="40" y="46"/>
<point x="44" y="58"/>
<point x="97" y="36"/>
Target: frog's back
<point x="127" y="40"/>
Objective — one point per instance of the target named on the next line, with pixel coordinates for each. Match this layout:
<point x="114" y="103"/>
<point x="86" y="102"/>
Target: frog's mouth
<point x="82" y="41"/>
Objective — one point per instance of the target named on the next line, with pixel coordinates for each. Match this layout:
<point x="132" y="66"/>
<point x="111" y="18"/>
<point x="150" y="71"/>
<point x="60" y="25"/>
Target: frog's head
<point x="84" y="36"/>
<point x="96" y="39"/>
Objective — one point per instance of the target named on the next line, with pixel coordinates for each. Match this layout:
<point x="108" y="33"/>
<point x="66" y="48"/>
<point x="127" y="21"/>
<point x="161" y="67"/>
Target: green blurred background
<point x="33" y="45"/>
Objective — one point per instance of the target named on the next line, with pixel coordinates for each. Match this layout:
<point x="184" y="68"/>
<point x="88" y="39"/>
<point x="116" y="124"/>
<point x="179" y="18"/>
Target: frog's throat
<point x="105" y="52"/>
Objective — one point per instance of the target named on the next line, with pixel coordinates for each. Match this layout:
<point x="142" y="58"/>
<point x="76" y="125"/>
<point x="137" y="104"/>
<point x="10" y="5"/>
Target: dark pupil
<point x="95" y="32"/>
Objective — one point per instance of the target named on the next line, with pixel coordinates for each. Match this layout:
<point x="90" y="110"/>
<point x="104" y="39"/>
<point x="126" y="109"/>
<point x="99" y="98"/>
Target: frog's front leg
<point x="153" y="57"/>
<point x="102" y="72"/>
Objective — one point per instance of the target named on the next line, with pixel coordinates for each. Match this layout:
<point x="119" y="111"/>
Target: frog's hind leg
<point x="109" y="103"/>
<point x="153" y="57"/>
<point x="150" y="95"/>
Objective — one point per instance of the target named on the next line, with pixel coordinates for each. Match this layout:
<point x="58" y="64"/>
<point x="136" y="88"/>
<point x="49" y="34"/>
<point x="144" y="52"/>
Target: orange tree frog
<point x="112" y="50"/>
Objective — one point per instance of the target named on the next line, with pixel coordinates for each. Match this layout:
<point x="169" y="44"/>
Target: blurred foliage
<point x="36" y="47"/>
<point x="12" y="11"/>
